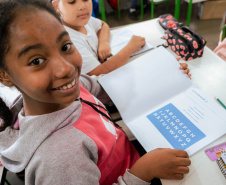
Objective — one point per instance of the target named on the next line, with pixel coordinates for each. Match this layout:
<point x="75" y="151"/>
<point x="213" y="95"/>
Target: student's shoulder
<point x="94" y="20"/>
<point x="94" y="23"/>
<point x="70" y="139"/>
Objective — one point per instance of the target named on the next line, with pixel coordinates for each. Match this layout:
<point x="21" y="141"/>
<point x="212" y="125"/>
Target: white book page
<point x="141" y="84"/>
<point x="188" y="121"/>
<point x="121" y="39"/>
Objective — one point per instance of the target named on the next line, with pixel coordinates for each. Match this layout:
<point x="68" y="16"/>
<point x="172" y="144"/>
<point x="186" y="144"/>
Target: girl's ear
<point x="5" y="79"/>
<point x="55" y="5"/>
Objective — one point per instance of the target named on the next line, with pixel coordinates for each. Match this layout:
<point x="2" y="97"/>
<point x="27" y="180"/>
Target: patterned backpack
<point x="181" y="39"/>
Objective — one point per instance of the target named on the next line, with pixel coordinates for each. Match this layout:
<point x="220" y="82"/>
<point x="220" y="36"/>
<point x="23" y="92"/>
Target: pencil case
<point x="168" y="21"/>
<point x="184" y="42"/>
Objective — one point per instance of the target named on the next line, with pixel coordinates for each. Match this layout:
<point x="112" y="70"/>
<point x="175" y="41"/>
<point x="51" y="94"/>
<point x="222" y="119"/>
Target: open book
<point x="121" y="39"/>
<point x="161" y="106"/>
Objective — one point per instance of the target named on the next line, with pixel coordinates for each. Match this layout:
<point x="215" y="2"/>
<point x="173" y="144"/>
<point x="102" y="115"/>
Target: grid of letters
<point x="177" y="129"/>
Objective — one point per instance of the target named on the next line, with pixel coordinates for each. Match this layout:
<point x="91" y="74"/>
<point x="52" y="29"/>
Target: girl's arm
<point x="104" y="49"/>
<point x="120" y="58"/>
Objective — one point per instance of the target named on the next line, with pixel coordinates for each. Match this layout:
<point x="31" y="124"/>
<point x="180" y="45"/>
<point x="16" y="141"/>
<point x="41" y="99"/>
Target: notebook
<point x="121" y="39"/>
<point x="161" y="105"/>
<point x="221" y="161"/>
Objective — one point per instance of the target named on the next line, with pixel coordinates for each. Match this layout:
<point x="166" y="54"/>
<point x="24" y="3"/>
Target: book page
<point x="121" y="39"/>
<point x="144" y="83"/>
<point x="161" y="106"/>
<point x="188" y="121"/>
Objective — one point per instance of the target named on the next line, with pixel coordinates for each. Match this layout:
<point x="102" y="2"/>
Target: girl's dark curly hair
<point x="9" y="10"/>
<point x="6" y="115"/>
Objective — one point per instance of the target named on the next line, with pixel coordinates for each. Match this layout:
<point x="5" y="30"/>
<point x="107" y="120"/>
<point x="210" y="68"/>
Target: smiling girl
<point x="59" y="132"/>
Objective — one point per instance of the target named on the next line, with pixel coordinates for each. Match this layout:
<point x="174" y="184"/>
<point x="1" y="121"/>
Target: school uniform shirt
<point x="75" y="145"/>
<point x="87" y="45"/>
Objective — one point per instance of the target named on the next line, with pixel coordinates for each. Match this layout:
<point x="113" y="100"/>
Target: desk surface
<point x="208" y="73"/>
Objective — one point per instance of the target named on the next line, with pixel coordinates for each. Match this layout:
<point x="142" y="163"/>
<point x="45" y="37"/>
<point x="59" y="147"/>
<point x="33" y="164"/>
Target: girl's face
<point x="42" y="62"/>
<point x="75" y="13"/>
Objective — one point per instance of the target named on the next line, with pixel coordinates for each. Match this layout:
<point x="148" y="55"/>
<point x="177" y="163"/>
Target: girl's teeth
<point x="68" y="86"/>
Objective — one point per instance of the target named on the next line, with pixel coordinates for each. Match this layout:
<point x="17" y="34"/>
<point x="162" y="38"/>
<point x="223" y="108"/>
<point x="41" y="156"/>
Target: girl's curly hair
<point x="6" y="115"/>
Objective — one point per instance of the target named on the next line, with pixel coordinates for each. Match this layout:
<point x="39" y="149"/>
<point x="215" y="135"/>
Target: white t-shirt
<point x="87" y="45"/>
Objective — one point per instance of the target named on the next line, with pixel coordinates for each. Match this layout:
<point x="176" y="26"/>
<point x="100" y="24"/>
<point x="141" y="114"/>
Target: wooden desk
<point x="209" y="74"/>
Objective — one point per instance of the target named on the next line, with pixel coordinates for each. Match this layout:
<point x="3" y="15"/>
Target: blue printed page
<point x="189" y="121"/>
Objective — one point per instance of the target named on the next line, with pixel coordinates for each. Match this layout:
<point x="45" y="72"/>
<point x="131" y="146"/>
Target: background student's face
<point x="42" y="62"/>
<point x="75" y="13"/>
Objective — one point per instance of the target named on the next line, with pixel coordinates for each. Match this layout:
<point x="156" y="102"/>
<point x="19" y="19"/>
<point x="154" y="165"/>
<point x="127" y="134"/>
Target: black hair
<point x="9" y="9"/>
<point x="6" y="115"/>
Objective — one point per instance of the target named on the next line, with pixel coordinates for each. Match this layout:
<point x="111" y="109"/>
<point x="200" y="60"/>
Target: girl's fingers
<point x="183" y="170"/>
<point x="184" y="162"/>
<point x="183" y="66"/>
<point x="181" y="153"/>
<point x="186" y="71"/>
<point x="178" y="58"/>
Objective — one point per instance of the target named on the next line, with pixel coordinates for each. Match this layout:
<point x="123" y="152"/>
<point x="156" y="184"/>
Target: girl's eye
<point x="72" y="2"/>
<point x="66" y="47"/>
<point x="37" y="61"/>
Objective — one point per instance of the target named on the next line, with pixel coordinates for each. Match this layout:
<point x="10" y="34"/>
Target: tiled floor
<point x="209" y="29"/>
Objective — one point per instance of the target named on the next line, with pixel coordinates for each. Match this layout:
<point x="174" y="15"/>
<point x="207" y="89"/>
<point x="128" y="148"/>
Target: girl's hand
<point x="104" y="51"/>
<point x="162" y="163"/>
<point x="136" y="42"/>
<point x="184" y="66"/>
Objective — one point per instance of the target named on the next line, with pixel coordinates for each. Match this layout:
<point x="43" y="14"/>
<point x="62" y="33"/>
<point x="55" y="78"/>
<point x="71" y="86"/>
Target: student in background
<point x="220" y="50"/>
<point x="133" y="9"/>
<point x="59" y="132"/>
<point x="91" y="37"/>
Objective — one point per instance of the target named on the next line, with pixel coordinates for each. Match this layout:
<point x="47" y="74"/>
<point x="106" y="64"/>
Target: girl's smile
<point x="68" y="88"/>
<point x="43" y="63"/>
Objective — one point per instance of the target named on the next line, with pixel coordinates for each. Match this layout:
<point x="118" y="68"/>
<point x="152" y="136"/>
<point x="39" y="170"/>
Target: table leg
<point x="141" y="10"/>
<point x="189" y="12"/>
<point x="177" y="9"/>
<point x="102" y="10"/>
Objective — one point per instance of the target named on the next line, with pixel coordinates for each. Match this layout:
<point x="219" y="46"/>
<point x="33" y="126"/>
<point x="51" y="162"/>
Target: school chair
<point x="177" y="9"/>
<point x="102" y="10"/>
<point x="223" y="32"/>
<point x="3" y="178"/>
<point x="153" y="2"/>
